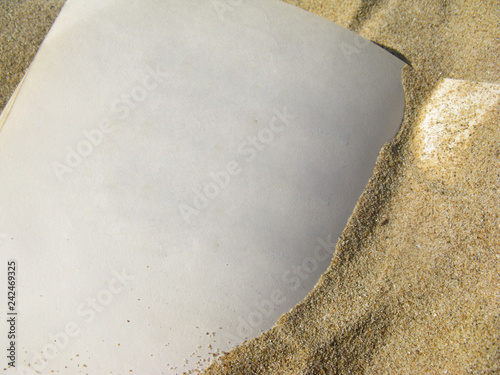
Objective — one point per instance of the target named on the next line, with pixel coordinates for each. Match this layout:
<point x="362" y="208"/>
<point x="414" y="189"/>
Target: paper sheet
<point x="175" y="175"/>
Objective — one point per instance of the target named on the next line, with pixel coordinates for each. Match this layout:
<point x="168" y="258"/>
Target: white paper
<point x="175" y="174"/>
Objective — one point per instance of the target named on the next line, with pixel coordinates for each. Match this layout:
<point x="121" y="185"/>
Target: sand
<point x="414" y="285"/>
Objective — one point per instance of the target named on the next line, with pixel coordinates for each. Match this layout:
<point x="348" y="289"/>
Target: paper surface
<point x="174" y="176"/>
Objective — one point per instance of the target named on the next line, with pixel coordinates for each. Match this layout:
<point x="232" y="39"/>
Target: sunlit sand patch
<point x="453" y="113"/>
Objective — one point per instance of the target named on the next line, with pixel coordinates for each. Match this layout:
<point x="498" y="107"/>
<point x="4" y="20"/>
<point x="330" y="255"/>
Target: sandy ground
<point x="414" y="286"/>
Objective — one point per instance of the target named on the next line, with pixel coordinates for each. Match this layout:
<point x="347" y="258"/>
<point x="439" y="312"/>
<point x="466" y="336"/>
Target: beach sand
<point x="414" y="285"/>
